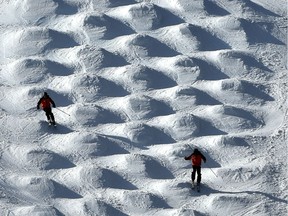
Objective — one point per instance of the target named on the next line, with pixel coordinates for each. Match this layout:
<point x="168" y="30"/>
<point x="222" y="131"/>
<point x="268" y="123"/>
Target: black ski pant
<point x="49" y="114"/>
<point x="196" y="169"/>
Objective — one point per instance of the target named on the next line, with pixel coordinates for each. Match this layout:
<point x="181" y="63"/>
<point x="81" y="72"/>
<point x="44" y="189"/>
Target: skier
<point x="196" y="158"/>
<point x="45" y="102"/>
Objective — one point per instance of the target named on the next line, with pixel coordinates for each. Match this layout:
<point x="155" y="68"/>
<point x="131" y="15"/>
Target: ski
<point x="198" y="188"/>
<point x="52" y="123"/>
<point x="195" y="187"/>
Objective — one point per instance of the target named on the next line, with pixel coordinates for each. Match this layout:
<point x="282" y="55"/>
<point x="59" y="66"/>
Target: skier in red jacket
<point x="196" y="158"/>
<point x="45" y="102"/>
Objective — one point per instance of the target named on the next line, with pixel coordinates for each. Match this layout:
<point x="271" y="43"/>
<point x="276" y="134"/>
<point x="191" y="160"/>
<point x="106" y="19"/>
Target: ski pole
<point x="209" y="167"/>
<point x="212" y="171"/>
<point x="190" y="147"/>
<point x="62" y="111"/>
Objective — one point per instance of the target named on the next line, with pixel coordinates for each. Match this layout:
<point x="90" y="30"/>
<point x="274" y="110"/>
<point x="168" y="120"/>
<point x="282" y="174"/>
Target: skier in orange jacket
<point x="45" y="102"/>
<point x="196" y="158"/>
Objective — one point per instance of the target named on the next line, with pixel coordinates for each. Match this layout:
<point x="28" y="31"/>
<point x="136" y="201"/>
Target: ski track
<point x="143" y="83"/>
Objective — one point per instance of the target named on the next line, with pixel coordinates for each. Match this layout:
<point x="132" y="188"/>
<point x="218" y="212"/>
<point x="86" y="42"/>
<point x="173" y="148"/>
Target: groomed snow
<point x="138" y="84"/>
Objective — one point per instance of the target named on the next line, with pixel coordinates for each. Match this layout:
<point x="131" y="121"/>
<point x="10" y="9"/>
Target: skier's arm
<point x="52" y="102"/>
<point x="203" y="158"/>
<point x="188" y="158"/>
<point x="38" y="104"/>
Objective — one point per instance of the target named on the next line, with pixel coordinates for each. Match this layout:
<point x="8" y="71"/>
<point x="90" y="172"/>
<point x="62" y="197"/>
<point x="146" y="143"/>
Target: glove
<point x="54" y="106"/>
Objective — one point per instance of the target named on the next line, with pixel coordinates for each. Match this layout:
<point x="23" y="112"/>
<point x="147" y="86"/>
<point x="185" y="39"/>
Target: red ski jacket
<point x="196" y="158"/>
<point x="45" y="102"/>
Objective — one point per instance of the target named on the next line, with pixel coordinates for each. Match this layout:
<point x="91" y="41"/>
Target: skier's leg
<point x="50" y="114"/>
<point x="198" y="175"/>
<point x="52" y="117"/>
<point x="47" y="114"/>
<point x="193" y="173"/>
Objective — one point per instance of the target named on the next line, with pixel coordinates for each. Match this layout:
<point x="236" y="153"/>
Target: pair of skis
<point x="52" y="123"/>
<point x="196" y="187"/>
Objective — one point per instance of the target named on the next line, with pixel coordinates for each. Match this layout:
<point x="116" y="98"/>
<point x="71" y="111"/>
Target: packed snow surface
<point x="138" y="84"/>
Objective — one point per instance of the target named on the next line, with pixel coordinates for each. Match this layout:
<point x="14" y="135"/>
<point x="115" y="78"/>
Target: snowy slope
<point x="137" y="85"/>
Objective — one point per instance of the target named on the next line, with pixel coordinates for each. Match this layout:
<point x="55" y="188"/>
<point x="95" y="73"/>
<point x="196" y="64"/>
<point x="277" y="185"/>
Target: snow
<point x="137" y="85"/>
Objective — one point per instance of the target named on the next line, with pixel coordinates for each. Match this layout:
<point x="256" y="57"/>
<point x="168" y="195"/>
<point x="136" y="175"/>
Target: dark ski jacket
<point x="196" y="158"/>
